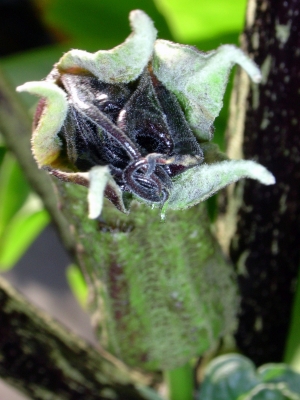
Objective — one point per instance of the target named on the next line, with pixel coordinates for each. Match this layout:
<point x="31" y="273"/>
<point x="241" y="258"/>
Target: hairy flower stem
<point x="161" y="291"/>
<point x="180" y="382"/>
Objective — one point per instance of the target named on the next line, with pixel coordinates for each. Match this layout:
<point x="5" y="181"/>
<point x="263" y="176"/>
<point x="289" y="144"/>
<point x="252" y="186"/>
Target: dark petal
<point x="108" y="98"/>
<point x="143" y="120"/>
<point x="117" y="198"/>
<point x="182" y="136"/>
<point x="84" y="145"/>
<point x="84" y="105"/>
<point x="153" y="188"/>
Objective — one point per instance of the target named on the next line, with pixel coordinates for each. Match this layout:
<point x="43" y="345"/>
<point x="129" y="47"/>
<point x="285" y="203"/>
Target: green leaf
<point x="14" y="190"/>
<point x="125" y="62"/>
<point x="77" y="284"/>
<point x="2" y="154"/>
<point x="192" y="20"/>
<point x="19" y="234"/>
<point x="31" y="65"/>
<point x="203" y="79"/>
<point x="233" y="377"/>
<point x="227" y="377"/>
<point x="262" y="393"/>
<point x="277" y="373"/>
<point x="88" y="24"/>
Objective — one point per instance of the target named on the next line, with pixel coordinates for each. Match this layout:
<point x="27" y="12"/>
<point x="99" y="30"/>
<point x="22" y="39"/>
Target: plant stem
<point x="180" y="382"/>
<point x="292" y="350"/>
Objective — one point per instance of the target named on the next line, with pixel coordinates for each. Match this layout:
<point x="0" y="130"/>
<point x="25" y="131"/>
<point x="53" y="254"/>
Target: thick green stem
<point x="292" y="350"/>
<point x="164" y="287"/>
<point x="180" y="382"/>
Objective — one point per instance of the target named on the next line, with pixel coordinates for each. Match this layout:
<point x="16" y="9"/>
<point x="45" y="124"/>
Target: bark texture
<point x="265" y="247"/>
<point x="44" y="360"/>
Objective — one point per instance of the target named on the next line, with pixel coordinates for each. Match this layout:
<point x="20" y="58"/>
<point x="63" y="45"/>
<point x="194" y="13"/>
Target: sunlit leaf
<point x="77" y="284"/>
<point x="88" y="23"/>
<point x="19" y="235"/>
<point x="31" y="65"/>
<point x="2" y="154"/>
<point x="14" y="190"/>
<point x="199" y="20"/>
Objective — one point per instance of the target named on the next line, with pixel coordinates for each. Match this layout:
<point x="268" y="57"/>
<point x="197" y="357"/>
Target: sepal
<point x="200" y="182"/>
<point x="199" y="79"/>
<point x="46" y="145"/>
<point x="121" y="64"/>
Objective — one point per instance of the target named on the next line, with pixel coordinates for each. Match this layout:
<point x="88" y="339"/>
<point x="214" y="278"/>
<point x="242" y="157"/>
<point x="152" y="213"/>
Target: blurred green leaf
<point x="19" y="235"/>
<point x="277" y="373"/>
<point x="88" y="24"/>
<point x="32" y="65"/>
<point x="21" y="215"/>
<point x="234" y="377"/>
<point x="14" y="190"/>
<point x="192" y="20"/>
<point x="2" y="154"/>
<point x="227" y="377"/>
<point x="265" y="394"/>
<point x="94" y="24"/>
<point x="77" y="284"/>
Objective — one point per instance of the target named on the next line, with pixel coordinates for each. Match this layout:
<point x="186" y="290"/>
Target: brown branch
<point x="44" y="360"/>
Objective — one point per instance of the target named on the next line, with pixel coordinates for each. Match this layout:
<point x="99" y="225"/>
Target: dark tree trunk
<point x="266" y="244"/>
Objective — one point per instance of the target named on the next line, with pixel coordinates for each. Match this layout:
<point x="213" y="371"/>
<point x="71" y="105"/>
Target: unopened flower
<point x="134" y="121"/>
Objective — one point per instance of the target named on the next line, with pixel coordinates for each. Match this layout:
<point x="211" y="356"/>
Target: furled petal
<point x="98" y="180"/>
<point x="199" y="79"/>
<point x="201" y="182"/>
<point x="101" y="184"/>
<point x="123" y="63"/>
<point x="46" y="145"/>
